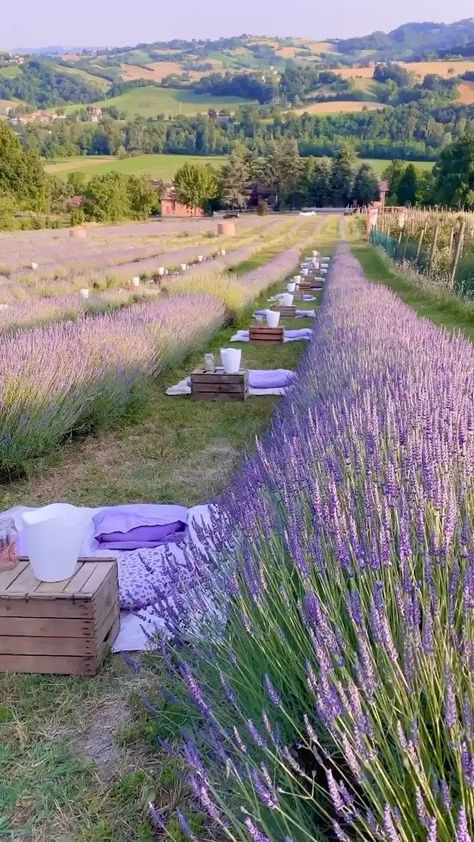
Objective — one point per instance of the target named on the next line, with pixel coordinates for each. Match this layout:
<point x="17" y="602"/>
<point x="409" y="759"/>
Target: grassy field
<point x="79" y="757"/>
<point x="151" y="101"/>
<point x="156" y="166"/>
<point x="162" y="166"/>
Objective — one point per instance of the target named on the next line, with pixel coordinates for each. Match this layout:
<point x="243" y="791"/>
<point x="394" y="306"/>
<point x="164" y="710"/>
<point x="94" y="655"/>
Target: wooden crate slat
<point x="219" y="388"/>
<point x="18" y="606"/>
<point x="259" y="333"/>
<point x="46" y="627"/>
<point x="81" y="577"/>
<point x="215" y="396"/>
<point x="48" y="664"/>
<point x="25" y="583"/>
<point x="7" y="577"/>
<point x="47" y="646"/>
<point x="97" y="577"/>
<point x="285" y="310"/>
<point x="206" y="386"/>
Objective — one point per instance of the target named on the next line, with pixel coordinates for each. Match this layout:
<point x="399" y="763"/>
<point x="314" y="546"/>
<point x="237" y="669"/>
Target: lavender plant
<point x="328" y="676"/>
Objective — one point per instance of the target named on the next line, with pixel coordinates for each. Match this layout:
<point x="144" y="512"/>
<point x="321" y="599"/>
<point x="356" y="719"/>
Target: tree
<point x="106" y="198"/>
<point x="393" y="174"/>
<point x="342" y="176"/>
<point x="142" y="197"/>
<point x="319" y="192"/>
<point x="407" y="189"/>
<point x="283" y="170"/>
<point x="366" y="186"/>
<point x="196" y="185"/>
<point x="76" y="183"/>
<point x="21" y="173"/>
<point x="236" y="179"/>
<point x="454" y="174"/>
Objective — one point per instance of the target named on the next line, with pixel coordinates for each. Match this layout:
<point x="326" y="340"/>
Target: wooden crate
<point x="262" y="333"/>
<point x="219" y="386"/>
<point x="64" y="628"/>
<point x="305" y="284"/>
<point x="285" y="311"/>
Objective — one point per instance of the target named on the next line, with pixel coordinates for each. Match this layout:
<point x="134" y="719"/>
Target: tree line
<point x="410" y="132"/>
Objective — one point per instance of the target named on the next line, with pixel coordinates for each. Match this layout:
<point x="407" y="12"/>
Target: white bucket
<point x="200" y="258"/>
<point x="136" y="281"/>
<point x="305" y="272"/>
<point x="52" y="537"/>
<point x="315" y="253"/>
<point x="297" y="279"/>
<point x="34" y="265"/>
<point x="84" y="293"/>
<point x="291" y="286"/>
<point x="161" y="270"/>
<point x="286" y="299"/>
<point x="230" y="359"/>
<point x="183" y="266"/>
<point x="273" y="318"/>
<point x="223" y="252"/>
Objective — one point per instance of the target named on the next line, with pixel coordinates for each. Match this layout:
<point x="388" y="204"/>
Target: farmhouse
<point x="171" y="206"/>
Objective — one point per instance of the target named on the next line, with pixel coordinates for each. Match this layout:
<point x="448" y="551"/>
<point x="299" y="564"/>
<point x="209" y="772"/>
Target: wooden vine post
<point x="420" y="242"/>
<point x="433" y="247"/>
<point x="457" y="256"/>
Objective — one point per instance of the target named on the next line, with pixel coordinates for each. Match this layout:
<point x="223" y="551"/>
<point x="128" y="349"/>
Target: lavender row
<point x="329" y="692"/>
<point x="73" y="377"/>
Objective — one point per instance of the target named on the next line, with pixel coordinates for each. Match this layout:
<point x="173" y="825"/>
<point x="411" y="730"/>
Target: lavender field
<point x="70" y="365"/>
<point x="336" y="702"/>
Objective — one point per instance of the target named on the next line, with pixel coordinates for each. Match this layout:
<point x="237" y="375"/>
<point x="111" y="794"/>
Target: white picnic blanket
<point x="184" y="388"/>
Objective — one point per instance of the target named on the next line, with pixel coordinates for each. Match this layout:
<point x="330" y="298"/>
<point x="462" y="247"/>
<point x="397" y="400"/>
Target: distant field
<point x="419" y="68"/>
<point x="161" y="166"/>
<point x="340" y="107"/>
<point x="466" y="93"/>
<point x="155" y="166"/>
<point x="150" y="101"/>
<point x="78" y="73"/>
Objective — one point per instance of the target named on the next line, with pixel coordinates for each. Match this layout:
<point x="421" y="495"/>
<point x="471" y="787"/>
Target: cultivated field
<point x="418" y="68"/>
<point x="155" y="166"/>
<point x="339" y="107"/>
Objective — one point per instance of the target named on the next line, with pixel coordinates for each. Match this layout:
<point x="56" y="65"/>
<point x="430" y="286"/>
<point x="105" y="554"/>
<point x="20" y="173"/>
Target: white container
<point x="52" y="537"/>
<point x="286" y="299"/>
<point x="297" y="279"/>
<point x="183" y="266"/>
<point x="222" y="252"/>
<point x="305" y="272"/>
<point x="161" y="271"/>
<point x="34" y="265"/>
<point x="273" y="318"/>
<point x="136" y="281"/>
<point x="291" y="286"/>
<point x="200" y="258"/>
<point x="230" y="359"/>
<point x="84" y="293"/>
<point x="315" y="253"/>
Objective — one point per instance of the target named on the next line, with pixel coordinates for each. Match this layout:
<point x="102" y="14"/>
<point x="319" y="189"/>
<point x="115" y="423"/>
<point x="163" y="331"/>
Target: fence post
<point x="433" y="247"/>
<point x="420" y="242"/>
<point x="457" y="256"/>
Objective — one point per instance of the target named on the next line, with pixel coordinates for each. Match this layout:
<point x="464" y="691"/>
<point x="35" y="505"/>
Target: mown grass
<point x="79" y="760"/>
<point x="439" y="305"/>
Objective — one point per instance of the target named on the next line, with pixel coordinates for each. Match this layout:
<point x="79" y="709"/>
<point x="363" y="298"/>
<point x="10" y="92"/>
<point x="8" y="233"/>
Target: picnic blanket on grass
<point x="262" y="382"/>
<point x="144" y="572"/>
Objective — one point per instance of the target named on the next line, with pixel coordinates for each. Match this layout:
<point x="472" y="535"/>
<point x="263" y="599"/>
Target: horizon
<point x="38" y="25"/>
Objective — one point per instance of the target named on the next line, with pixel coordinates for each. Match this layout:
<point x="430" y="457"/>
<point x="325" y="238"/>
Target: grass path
<point x="78" y="757"/>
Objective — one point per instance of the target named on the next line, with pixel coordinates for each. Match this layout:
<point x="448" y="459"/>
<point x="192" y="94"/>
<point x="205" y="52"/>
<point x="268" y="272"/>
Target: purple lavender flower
<point x="271" y="692"/>
<point x="462" y="830"/>
<point x="255" y="833"/>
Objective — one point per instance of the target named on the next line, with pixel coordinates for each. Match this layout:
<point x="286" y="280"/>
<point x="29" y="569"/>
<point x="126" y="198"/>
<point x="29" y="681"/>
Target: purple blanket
<point x="139" y="525"/>
<point x="301" y="333"/>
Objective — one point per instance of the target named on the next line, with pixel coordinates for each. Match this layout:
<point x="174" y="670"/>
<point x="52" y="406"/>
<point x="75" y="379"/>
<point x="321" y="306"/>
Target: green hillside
<point x="150" y="101"/>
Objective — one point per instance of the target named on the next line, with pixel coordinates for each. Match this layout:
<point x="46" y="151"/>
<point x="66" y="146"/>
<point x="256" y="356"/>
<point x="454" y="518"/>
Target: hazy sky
<point x="33" y="23"/>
